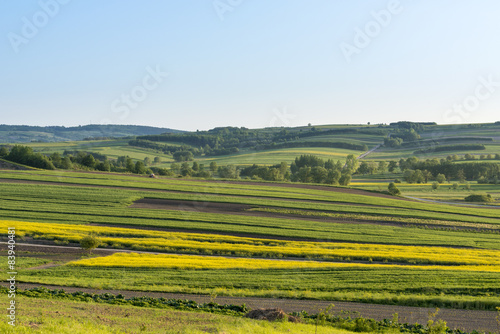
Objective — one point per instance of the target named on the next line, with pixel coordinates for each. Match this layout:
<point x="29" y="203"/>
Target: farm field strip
<point x="278" y="227"/>
<point x="51" y="196"/>
<point x="117" y="213"/>
<point x="134" y="260"/>
<point x="383" y="205"/>
<point x="460" y="270"/>
<point x="178" y="242"/>
<point x="377" y="218"/>
<point x="385" y="285"/>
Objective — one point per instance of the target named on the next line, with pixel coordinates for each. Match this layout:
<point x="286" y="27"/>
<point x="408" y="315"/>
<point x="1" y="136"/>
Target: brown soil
<point x="308" y="186"/>
<point x="242" y="209"/>
<point x="67" y="184"/>
<point x="52" y="252"/>
<point x="270" y="314"/>
<point x="243" y="183"/>
<point x="192" y="206"/>
<point x="467" y="320"/>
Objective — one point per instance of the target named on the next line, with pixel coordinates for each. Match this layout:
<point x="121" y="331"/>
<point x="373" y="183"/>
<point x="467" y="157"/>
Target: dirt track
<point x="467" y="320"/>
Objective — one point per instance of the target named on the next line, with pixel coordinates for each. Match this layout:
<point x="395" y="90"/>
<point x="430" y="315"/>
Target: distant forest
<point x="27" y="133"/>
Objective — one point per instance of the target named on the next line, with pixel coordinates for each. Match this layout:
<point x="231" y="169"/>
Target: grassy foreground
<point x="60" y="316"/>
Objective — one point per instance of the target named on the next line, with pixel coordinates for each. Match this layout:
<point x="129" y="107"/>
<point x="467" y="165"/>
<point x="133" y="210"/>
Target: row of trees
<point x="400" y="136"/>
<point x="306" y="169"/>
<point x="76" y="160"/>
<point x="229" y="140"/>
<point x="421" y="171"/>
<point x="25" y="155"/>
<point x="309" y="168"/>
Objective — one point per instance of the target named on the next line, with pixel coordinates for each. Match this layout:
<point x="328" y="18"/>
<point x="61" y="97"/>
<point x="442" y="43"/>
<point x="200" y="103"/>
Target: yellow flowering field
<point x="134" y="260"/>
<point x="212" y="244"/>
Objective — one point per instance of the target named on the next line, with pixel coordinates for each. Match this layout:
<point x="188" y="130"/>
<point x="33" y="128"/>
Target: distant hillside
<point x="26" y="133"/>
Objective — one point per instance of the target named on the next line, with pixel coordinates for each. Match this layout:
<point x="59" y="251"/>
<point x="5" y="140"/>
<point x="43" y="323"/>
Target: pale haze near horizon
<point x="201" y="64"/>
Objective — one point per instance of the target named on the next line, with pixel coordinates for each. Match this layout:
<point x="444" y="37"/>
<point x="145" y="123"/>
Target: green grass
<point x="412" y="287"/>
<point x="275" y="156"/>
<point x="38" y="315"/>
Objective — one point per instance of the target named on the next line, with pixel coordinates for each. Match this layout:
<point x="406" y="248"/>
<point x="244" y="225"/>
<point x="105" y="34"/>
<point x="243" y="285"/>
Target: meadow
<point x="42" y="315"/>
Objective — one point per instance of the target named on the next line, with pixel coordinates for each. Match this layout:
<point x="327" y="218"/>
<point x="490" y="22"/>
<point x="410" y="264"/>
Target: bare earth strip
<point x="467" y="320"/>
<point x="243" y="183"/>
<point x="68" y="184"/>
<point x="242" y="209"/>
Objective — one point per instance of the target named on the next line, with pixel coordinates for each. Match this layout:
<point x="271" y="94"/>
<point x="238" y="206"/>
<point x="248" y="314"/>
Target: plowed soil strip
<point x="69" y="184"/>
<point x="467" y="320"/>
<point x="242" y="209"/>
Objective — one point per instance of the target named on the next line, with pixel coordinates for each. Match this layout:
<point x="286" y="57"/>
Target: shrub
<point x="479" y="198"/>
<point x="393" y="190"/>
<point x="90" y="242"/>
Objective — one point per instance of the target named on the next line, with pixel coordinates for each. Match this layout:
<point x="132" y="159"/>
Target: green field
<point x="359" y="217"/>
<point x="236" y="237"/>
<point x="41" y="315"/>
<point x="116" y="148"/>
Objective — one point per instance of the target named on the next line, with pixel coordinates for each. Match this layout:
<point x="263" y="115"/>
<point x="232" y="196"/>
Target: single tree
<point x="140" y="168"/>
<point x="382" y="166"/>
<point x="441" y="178"/>
<point x="4" y="151"/>
<point x="90" y="242"/>
<point x="393" y="190"/>
<point x="213" y="166"/>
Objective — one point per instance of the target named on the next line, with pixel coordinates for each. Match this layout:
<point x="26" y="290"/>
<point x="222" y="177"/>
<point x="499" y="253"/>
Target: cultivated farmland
<point x="254" y="239"/>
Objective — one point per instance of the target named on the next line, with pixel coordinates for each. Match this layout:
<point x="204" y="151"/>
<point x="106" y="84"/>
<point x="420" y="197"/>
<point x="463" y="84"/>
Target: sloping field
<point x="333" y="243"/>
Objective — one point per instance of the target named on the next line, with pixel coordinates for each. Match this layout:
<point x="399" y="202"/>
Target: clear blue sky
<point x="252" y="63"/>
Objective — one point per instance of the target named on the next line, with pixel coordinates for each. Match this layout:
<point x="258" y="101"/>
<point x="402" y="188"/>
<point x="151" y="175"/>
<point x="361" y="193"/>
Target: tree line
<point x="229" y="140"/>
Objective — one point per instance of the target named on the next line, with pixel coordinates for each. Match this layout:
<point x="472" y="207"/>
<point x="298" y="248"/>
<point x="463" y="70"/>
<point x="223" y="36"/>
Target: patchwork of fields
<point x="255" y="239"/>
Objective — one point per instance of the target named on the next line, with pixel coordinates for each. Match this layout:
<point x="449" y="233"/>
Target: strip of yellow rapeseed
<point x="134" y="260"/>
<point x="195" y="243"/>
